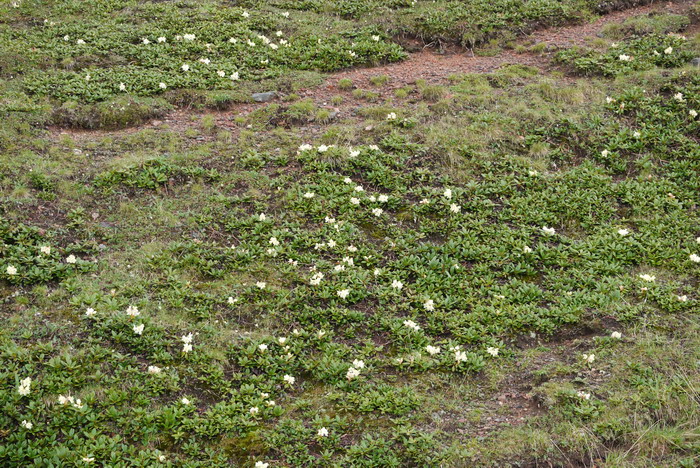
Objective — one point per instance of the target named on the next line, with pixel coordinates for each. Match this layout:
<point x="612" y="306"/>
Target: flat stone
<point x="264" y="97"/>
<point x="695" y="62"/>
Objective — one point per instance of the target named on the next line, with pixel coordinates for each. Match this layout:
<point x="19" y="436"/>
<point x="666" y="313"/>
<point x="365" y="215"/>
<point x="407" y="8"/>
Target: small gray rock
<point x="264" y="97"/>
<point x="695" y="62"/>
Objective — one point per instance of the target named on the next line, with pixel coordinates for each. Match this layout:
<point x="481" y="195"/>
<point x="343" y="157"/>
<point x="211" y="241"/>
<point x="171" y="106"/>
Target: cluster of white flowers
<point x="323" y="432"/>
<point x="26" y="424"/>
<point x="69" y="400"/>
<point x="429" y="305"/>
<point x="432" y="350"/>
<point x="411" y="324"/>
<point x="11" y="270"/>
<point x="187" y="343"/>
<point x="583" y="395"/>
<point x="138" y="329"/>
<point x="132" y="311"/>
<point x="24" y="386"/>
<point x="289" y="379"/>
<point x="589" y="358"/>
<point x="316" y="279"/>
<point x="396" y="284"/>
<point x="616" y="335"/>
<point x="648" y="278"/>
<point x="154" y="370"/>
<point x="492" y="351"/>
<point x="550" y="231"/>
<point x="343" y="293"/>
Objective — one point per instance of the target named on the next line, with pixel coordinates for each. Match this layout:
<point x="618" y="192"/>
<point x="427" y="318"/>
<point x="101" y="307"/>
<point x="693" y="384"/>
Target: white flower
<point x="187" y="348"/>
<point x="316" y="279"/>
<point x="668" y="50"/>
<point x="66" y="37"/>
<point x="383" y="198"/>
<point x="309" y="195"/>
<point x="80" y="42"/>
<point x="355" y="201"/>
<point x="274" y="241"/>
<point x="270" y="403"/>
<point x="205" y="61"/>
<point x="447" y="194"/>
<point x="161" y="39"/>
<point x="548" y="230"/>
<point x="377" y="272"/>
<point x="45" y="249"/>
<point x="649" y="278"/>
<point x="527" y="249"/>
<point x="282" y="340"/>
<point x="391" y="116"/>
<point x="122" y="87"/>
<point x="347" y="180"/>
<point x="679" y="97"/>
<point x="189" y="37"/>
<point x="286" y="15"/>
<point x="609" y="100"/>
<point x="261" y="284"/>
<point x="693" y="113"/>
<point x="187" y="338"/>
<point x="231" y="300"/>
<point x="145" y="41"/>
<point x="432" y="350"/>
<point x="11" y="270"/>
<point x="377" y="211"/>
<point x="71" y="259"/>
<point x="262" y="347"/>
<point x="289" y="379"/>
<point x="460" y="356"/>
<point x="343" y="293"/>
<point x="354" y="153"/>
<point x="695" y="258"/>
<point x="245" y="14"/>
<point x="605" y="153"/>
<point x="88" y="459"/>
<point x="161" y="458"/>
<point x="221" y="73"/>
<point x="262" y="217"/>
<point x="455" y="208"/>
<point x="26" y="424"/>
<point x="89" y="312"/>
<point x="396" y="284"/>
<point x="358" y="364"/>
<point x="254" y="410"/>
<point x="625" y="58"/>
<point x="260" y="464"/>
<point x="154" y="370"/>
<point x="589" y="358"/>
<point x="352" y="373"/>
<point x="429" y="305"/>
<point x="234" y="76"/>
<point x="185" y="401"/>
<point x="375" y="38"/>
<point x="583" y="395"/>
<point x="623" y="232"/>
<point x="359" y="188"/>
<point x="138" y="329"/>
<point x="492" y="351"/>
<point x="682" y="298"/>
<point x="636" y="134"/>
<point x="24" y="386"/>
<point x="162" y="85"/>
<point x="185" y="67"/>
<point x="323" y="148"/>
<point x="616" y="335"/>
<point x="411" y="324"/>
<point x="323" y="432"/>
<point x="133" y="311"/>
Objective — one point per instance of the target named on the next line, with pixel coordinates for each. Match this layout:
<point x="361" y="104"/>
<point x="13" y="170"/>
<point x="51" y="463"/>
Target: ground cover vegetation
<point x="500" y="269"/>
